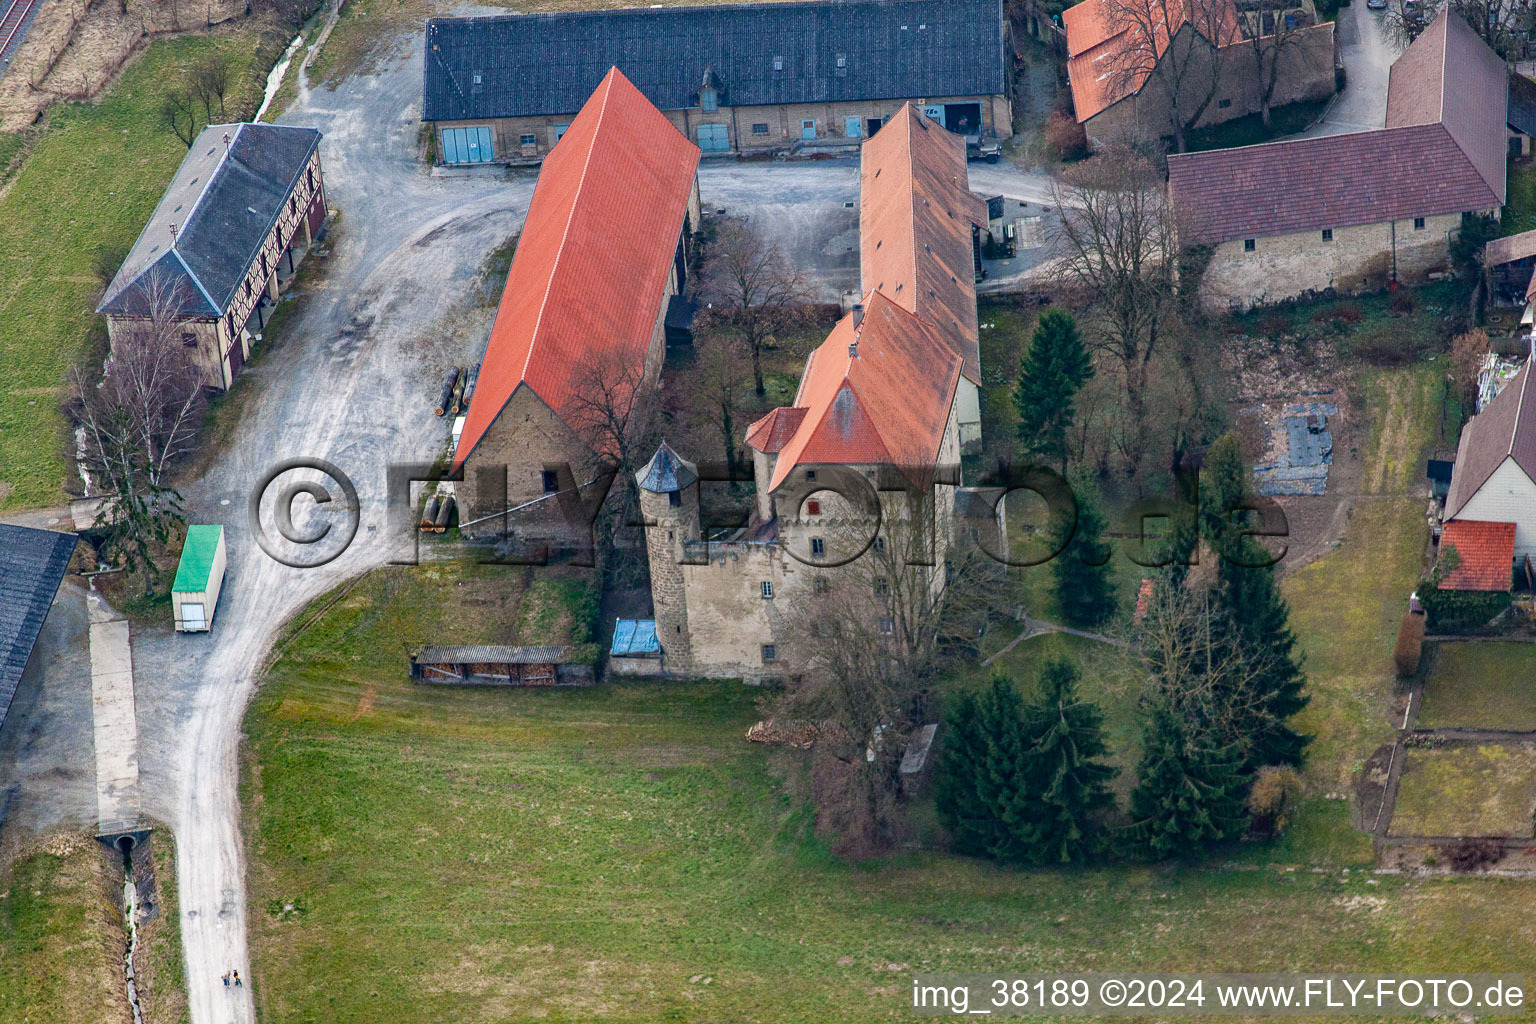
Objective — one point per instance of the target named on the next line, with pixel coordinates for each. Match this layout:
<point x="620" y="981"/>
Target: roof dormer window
<point x="842" y="60"/>
<point x="778" y="63"/>
<point x="709" y="100"/>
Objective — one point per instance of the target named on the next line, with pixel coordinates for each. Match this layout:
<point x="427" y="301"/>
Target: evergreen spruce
<point x="980" y="770"/>
<point x="1054" y="370"/>
<point x="1253" y="613"/>
<point x="956" y="778"/>
<point x="1257" y="616"/>
<point x="1080" y="574"/>
<point x="1070" y="788"/>
<point x="1189" y="792"/>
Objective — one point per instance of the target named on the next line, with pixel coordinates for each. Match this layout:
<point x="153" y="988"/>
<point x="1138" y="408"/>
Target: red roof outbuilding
<point x="1486" y="553"/>
<point x="594" y="256"/>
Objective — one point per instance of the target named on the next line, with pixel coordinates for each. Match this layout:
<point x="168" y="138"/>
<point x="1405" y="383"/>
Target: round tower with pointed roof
<point x="669" y="501"/>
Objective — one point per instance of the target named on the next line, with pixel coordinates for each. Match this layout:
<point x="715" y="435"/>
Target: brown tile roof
<point x="915" y="217"/>
<point x="1510" y="248"/>
<point x="594" y="255"/>
<point x="1100" y="76"/>
<point x="1451" y="77"/>
<point x="1442" y="152"/>
<point x="1485" y="552"/>
<point x="771" y="433"/>
<point x="887" y="405"/>
<point x="1506" y="428"/>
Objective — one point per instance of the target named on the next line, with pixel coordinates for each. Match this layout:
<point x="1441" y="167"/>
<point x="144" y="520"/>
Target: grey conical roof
<point x="667" y="471"/>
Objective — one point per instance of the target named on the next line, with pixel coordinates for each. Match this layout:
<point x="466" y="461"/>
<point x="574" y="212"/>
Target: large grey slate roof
<point x="223" y="201"/>
<point x="32" y="564"/>
<point x="550" y="63"/>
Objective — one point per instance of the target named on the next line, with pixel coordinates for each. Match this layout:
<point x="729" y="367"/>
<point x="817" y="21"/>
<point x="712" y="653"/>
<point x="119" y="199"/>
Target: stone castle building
<point x="865" y="462"/>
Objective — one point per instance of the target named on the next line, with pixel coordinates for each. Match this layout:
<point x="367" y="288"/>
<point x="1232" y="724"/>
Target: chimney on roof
<point x="853" y="349"/>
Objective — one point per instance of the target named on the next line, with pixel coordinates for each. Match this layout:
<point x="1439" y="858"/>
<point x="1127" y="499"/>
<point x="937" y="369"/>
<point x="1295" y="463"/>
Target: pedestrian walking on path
<point x="226" y="979"/>
<point x="237" y="979"/>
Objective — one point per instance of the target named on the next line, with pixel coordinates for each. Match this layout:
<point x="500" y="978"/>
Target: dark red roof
<point x="594" y="256"/>
<point x="1442" y="151"/>
<point x="1485" y="552"/>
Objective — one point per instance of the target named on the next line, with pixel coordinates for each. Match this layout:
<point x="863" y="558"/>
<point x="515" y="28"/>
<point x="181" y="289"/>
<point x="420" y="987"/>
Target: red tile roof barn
<point x="1099" y="75"/>
<point x="1485" y="553"/>
<point x="594" y="256"/>
<point x="888" y="404"/>
<point x="1505" y="429"/>
<point x="915" y="216"/>
<point x="1442" y="151"/>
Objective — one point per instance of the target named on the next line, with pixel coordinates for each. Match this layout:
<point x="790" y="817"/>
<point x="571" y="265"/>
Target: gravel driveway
<point x="350" y="379"/>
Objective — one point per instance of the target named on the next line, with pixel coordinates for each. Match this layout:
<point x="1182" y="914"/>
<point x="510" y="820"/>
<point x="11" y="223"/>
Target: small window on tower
<point x="551" y="481"/>
<point x="1249" y="244"/>
<point x="819" y="585"/>
<point x="818" y="547"/>
<point x="189" y="340"/>
<point x="886" y="625"/>
<point x="810" y="474"/>
<point x="674" y="498"/>
<point x="770" y="653"/>
<point x="767" y="589"/>
<point x="882" y="586"/>
<point x="813" y="507"/>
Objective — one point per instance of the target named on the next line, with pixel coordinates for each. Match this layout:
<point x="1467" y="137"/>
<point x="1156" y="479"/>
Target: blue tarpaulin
<point x="1303" y="467"/>
<point x="635" y="636"/>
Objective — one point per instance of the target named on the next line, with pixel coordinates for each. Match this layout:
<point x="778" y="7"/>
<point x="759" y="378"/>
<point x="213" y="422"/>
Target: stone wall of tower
<point x="668" y="527"/>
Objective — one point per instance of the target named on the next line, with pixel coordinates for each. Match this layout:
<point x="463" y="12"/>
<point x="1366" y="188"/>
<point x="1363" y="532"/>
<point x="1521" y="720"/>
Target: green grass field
<point x="60" y="936"/>
<point x="88" y="183"/>
<point x="1481" y="686"/>
<point x="1485" y="789"/>
<point x="621" y="851"/>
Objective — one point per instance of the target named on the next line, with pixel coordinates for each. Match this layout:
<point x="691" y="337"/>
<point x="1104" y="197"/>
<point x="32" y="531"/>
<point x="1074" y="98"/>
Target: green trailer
<point x="195" y="593"/>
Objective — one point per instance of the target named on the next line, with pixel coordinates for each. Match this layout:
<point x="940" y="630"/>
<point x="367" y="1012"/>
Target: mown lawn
<point x="88" y="183"/>
<point x="1520" y="199"/>
<point x="60" y="935"/>
<point x="1345" y="609"/>
<point x="621" y="852"/>
<point x="1481" y="686"/>
<point x="1483" y="789"/>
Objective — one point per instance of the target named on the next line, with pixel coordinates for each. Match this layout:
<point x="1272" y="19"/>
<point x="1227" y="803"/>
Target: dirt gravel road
<point x="350" y="381"/>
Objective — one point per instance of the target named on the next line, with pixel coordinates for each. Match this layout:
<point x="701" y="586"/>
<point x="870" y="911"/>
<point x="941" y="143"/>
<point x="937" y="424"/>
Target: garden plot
<point x="1467" y="789"/>
<point x="1484" y="685"/>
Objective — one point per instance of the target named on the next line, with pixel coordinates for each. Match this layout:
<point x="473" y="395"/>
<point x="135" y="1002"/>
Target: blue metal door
<point x="714" y="138"/>
<point x="808" y="129"/>
<point x="467" y="146"/>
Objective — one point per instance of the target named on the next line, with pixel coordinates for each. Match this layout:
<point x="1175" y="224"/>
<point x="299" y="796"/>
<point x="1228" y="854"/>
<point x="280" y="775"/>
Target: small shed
<point x="635" y="651"/>
<point x="195" y="593"/>
<point x="495" y="665"/>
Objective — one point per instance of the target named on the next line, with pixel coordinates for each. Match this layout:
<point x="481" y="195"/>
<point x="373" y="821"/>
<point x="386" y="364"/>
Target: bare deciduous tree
<point x="1505" y="25"/>
<point x="866" y="647"/>
<point x="752" y="290"/>
<point x="211" y="82"/>
<point x="1117" y="244"/>
<point x="136" y="422"/>
<point x="721" y="358"/>
<point x="178" y="112"/>
<point x="1184" y="71"/>
<point x="611" y="407"/>
<point x="1283" y="48"/>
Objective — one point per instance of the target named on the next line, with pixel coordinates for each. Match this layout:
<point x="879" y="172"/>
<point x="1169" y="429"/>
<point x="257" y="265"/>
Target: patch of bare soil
<point x="71" y="53"/>
<point x="1263" y="377"/>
